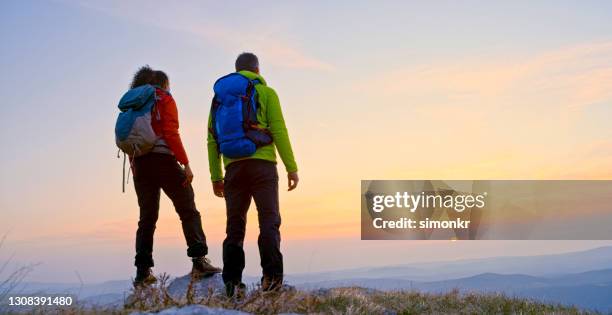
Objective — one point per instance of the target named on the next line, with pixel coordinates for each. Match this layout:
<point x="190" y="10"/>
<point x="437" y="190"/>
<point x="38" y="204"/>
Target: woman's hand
<point x="188" y="176"/>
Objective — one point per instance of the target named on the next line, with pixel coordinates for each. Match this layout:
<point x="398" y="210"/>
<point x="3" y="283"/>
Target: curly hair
<point x="143" y="76"/>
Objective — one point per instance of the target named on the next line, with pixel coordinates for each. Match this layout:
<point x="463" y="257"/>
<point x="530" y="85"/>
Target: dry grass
<point x="9" y="281"/>
<point x="350" y="300"/>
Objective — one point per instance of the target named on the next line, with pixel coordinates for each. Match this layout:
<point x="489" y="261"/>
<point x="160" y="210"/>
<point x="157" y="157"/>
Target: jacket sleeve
<point x="279" y="131"/>
<point x="170" y="128"/>
<point x="214" y="158"/>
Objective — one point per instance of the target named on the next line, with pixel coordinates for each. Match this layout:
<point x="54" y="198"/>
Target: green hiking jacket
<point x="270" y="116"/>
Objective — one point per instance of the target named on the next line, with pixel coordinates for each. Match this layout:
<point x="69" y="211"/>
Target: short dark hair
<point x="160" y="79"/>
<point x="143" y="76"/>
<point x="247" y="61"/>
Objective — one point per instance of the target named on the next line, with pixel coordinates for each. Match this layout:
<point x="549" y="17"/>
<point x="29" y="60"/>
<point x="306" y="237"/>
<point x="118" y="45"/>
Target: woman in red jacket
<point x="160" y="170"/>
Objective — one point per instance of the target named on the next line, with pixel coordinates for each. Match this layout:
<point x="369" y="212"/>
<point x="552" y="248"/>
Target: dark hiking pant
<point x="152" y="173"/>
<point x="257" y="179"/>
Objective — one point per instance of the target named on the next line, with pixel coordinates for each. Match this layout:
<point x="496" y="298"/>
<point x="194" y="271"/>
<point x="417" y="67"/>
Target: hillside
<point x="583" y="287"/>
<point x="184" y="296"/>
<point x="587" y="290"/>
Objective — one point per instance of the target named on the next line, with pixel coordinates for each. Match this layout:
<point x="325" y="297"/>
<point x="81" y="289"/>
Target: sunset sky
<point x="369" y="90"/>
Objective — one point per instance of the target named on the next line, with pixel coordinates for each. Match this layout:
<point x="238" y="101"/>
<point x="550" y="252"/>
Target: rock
<point x="179" y="291"/>
<point x="195" y="310"/>
<point x="203" y="287"/>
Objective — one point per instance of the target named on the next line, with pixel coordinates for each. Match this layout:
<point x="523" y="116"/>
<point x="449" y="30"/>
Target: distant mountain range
<point x="580" y="278"/>
<point x="541" y="265"/>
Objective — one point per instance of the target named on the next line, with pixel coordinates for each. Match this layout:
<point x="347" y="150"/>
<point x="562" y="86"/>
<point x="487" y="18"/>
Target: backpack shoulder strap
<point x="255" y="96"/>
<point x="214" y="104"/>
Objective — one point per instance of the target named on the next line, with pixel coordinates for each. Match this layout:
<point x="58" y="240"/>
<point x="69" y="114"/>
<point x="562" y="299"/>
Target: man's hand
<point x="188" y="175"/>
<point x="218" y="188"/>
<point x="292" y="180"/>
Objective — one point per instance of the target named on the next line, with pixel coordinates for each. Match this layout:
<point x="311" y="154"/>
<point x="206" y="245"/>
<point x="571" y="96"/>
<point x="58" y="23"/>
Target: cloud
<point x="229" y="37"/>
<point x="512" y="116"/>
<point x="571" y="78"/>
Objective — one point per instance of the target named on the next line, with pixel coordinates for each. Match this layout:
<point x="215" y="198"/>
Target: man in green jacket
<point x="254" y="177"/>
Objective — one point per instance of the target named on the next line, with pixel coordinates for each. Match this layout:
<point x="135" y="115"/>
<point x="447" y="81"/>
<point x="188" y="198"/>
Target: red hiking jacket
<point x="168" y="125"/>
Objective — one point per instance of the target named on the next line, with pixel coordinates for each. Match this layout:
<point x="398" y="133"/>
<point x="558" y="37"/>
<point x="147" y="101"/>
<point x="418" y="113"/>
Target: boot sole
<point x="201" y="275"/>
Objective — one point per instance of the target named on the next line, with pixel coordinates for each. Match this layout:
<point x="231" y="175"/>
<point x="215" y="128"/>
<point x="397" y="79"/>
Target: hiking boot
<point x="235" y="289"/>
<point x="271" y="283"/>
<point x="144" y="276"/>
<point x="203" y="268"/>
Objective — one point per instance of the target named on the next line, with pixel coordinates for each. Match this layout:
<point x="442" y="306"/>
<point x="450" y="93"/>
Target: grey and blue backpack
<point x="134" y="134"/>
<point x="234" y="123"/>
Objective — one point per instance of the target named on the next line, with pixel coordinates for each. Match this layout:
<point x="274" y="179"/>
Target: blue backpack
<point x="234" y="117"/>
